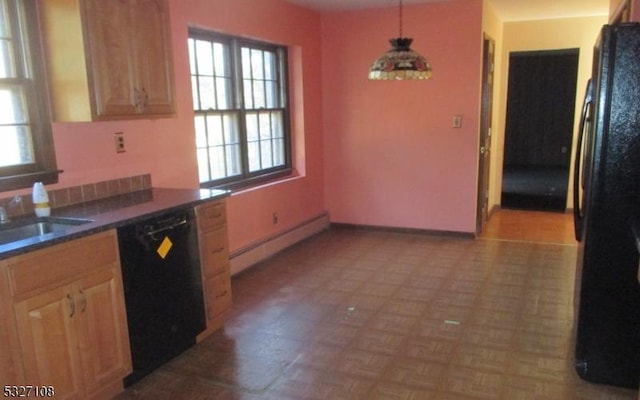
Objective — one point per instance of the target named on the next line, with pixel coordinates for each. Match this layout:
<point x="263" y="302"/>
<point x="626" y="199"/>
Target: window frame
<point x="29" y="61"/>
<point x="238" y="108"/>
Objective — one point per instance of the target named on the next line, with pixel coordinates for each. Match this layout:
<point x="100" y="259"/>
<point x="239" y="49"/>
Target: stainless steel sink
<point x="25" y="229"/>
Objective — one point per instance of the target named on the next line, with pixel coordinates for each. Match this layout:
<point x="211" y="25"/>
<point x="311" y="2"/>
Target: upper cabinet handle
<point x="83" y="301"/>
<point x="72" y="306"/>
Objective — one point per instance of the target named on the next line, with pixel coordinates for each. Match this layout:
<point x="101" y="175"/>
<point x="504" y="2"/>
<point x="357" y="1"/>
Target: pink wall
<point x="166" y="147"/>
<point x="391" y="155"/>
<point x="295" y="200"/>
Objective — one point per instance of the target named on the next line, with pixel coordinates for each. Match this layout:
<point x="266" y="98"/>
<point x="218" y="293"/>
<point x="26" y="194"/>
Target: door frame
<point x="484" y="147"/>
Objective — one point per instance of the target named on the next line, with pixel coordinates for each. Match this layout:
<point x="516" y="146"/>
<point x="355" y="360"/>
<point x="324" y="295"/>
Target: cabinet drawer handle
<point x="145" y="98"/>
<point x="218" y="250"/>
<point x="223" y="294"/>
<point x="72" y="306"/>
<point x="83" y="301"/>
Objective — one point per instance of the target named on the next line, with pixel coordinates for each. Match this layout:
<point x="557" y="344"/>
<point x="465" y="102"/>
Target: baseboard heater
<point x="257" y="252"/>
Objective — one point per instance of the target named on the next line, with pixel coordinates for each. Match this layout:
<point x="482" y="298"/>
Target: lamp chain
<point x="400" y="19"/>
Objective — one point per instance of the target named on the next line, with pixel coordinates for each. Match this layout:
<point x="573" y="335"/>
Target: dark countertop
<point x="114" y="212"/>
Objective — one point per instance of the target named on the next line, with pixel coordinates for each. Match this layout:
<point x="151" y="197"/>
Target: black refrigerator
<point x="606" y="202"/>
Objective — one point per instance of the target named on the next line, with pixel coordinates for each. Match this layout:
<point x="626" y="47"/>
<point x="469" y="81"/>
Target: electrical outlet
<point x="275" y="218"/>
<point x="457" y="121"/>
<point x="119" y="138"/>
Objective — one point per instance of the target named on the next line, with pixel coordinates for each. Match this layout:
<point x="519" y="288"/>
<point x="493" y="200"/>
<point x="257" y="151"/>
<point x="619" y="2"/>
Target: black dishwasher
<point x="162" y="288"/>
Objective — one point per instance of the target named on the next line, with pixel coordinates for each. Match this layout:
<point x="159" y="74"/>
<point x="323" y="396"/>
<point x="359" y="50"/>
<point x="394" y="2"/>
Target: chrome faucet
<point x="4" y="217"/>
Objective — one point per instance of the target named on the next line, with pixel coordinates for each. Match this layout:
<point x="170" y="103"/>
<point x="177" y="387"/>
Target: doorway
<point x="539" y="129"/>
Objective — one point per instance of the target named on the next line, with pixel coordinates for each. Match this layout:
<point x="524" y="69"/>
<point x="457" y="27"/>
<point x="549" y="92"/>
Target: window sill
<point x="259" y="182"/>
<point x="23" y="181"/>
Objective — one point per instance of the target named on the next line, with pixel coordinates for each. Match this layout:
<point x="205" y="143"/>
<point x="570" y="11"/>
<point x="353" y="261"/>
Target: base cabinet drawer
<point x="214" y="259"/>
<point x="215" y="254"/>
<point x="218" y="290"/>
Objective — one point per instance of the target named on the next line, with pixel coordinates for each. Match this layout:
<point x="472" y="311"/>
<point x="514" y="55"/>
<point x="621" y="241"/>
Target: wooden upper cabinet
<point x="121" y="67"/>
<point x="111" y="57"/>
<point x="153" y="39"/>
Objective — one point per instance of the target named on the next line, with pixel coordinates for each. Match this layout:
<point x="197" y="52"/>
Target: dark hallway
<point x="539" y="129"/>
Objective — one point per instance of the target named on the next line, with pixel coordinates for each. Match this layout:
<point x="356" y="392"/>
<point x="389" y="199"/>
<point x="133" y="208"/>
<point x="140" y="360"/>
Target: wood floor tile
<point x="412" y="372"/>
<point x="396" y="391"/>
<point x="473" y="382"/>
<point x="352" y="314"/>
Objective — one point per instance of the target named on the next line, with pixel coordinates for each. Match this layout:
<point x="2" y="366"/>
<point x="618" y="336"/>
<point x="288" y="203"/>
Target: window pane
<point x="7" y="62"/>
<point x="246" y="63"/>
<point x="15" y="146"/>
<point x="220" y="59"/>
<point x="258" y="95"/>
<point x="231" y="135"/>
<point x="257" y="64"/>
<point x="265" y="126"/>
<point x="265" y="149"/>
<point x="276" y="124"/>
<point x="248" y="94"/>
<point x="194" y="93"/>
<point x="278" y="152"/>
<point x="216" y="156"/>
<point x="204" y="58"/>
<point x="223" y="92"/>
<point x="271" y="94"/>
<point x="252" y="126"/>
<point x="254" y="156"/>
<point x="214" y="127"/>
<point x="234" y="164"/>
<point x="207" y="93"/>
<point x="203" y="165"/>
<point x="269" y="65"/>
<point x="191" y="44"/>
<point x="201" y="132"/>
<point x="12" y="105"/>
<point x="7" y="65"/>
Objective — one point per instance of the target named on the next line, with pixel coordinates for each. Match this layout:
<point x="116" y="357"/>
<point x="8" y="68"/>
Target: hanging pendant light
<point x="401" y="62"/>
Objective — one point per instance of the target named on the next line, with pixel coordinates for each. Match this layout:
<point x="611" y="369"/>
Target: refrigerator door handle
<point x="578" y="217"/>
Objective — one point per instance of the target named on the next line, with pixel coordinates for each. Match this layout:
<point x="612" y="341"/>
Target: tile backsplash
<point x="78" y="194"/>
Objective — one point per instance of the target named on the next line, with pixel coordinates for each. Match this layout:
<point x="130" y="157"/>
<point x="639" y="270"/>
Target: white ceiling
<point x="508" y="10"/>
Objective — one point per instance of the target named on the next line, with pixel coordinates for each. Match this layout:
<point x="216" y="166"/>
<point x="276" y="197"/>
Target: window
<point x="241" y="112"/>
<point x="26" y="150"/>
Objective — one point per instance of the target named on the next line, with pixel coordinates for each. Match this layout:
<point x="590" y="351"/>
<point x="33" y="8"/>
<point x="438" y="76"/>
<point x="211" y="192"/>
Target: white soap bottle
<point x="41" y="200"/>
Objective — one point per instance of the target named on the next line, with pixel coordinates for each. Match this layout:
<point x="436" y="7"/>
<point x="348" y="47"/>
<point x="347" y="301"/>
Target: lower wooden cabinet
<point x="49" y="342"/>
<point x="214" y="259"/>
<point x="70" y="327"/>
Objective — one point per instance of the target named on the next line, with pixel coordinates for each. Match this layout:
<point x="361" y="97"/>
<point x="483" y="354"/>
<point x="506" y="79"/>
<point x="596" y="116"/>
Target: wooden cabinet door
<point x="112" y="72"/>
<point x="102" y="328"/>
<point x="46" y="326"/>
<point x="152" y="41"/>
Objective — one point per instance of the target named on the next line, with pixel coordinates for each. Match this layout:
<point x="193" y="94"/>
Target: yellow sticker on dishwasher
<point x="165" y="247"/>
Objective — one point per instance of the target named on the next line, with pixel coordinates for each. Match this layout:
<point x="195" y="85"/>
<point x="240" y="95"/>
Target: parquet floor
<point x="354" y="314"/>
<point x="531" y="226"/>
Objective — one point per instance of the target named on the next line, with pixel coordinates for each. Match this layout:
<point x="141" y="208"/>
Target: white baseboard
<point x="252" y="255"/>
